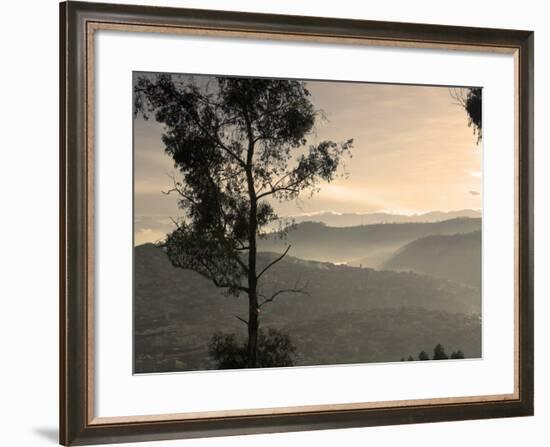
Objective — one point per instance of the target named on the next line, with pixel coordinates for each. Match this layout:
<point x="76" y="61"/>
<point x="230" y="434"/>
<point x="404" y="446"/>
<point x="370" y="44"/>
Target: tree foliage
<point x="473" y="108"/>
<point x="275" y="349"/>
<point x="470" y="100"/>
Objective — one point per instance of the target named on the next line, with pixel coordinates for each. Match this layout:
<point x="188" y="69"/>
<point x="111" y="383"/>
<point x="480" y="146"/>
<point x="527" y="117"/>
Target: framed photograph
<point x="277" y="223"/>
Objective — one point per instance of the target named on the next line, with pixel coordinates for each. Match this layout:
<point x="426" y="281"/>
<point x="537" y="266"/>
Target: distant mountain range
<point x="366" y="246"/>
<point x="349" y="315"/>
<point x="456" y="257"/>
<point x="333" y="219"/>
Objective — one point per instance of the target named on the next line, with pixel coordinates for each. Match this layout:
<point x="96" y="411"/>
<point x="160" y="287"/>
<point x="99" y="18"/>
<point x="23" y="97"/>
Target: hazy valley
<point x="365" y="245"/>
<point x="398" y="288"/>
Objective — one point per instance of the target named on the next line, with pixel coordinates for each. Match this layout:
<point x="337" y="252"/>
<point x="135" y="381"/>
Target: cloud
<point x="362" y="199"/>
<point x="476" y="174"/>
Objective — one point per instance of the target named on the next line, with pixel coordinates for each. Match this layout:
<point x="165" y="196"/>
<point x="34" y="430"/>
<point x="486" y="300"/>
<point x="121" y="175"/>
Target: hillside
<point x="384" y="335"/>
<point x="176" y="312"/>
<point x="373" y="244"/>
<point x="456" y="257"/>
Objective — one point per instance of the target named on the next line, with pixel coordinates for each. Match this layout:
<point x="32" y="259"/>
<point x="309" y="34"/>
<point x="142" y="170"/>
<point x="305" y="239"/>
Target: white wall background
<point x="28" y="222"/>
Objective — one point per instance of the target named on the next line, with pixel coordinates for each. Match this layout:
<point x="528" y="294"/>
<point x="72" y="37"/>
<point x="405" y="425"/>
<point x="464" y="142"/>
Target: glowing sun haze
<point x="413" y="152"/>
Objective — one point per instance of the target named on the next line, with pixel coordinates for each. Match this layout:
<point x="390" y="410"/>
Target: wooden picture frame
<point x="78" y="23"/>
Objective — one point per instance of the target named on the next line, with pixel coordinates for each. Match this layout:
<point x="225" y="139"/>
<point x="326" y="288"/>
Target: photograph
<point x="292" y="223"/>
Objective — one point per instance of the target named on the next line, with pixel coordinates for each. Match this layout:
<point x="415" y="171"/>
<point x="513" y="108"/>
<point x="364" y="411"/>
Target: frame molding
<point x="78" y="22"/>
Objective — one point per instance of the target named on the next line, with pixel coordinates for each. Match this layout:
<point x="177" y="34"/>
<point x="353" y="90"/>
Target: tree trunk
<point x="253" y="320"/>
<point x="253" y="309"/>
<point x="253" y="325"/>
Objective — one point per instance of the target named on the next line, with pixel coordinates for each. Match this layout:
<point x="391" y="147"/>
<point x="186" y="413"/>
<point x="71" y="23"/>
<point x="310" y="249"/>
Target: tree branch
<point x="212" y="277"/>
<point x="272" y="263"/>
<point x="215" y="138"/>
<point x="457" y="94"/>
<point x="291" y="187"/>
<point x="179" y="191"/>
<point x="301" y="290"/>
<point x="241" y="319"/>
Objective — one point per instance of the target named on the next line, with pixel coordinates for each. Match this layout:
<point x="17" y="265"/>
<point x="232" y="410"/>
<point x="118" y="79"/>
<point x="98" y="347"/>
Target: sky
<point x="413" y="152"/>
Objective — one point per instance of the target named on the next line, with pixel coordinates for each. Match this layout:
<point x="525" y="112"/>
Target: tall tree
<point x="238" y="144"/>
<point x="439" y="353"/>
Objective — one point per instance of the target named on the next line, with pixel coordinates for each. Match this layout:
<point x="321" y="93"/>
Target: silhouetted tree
<point x="227" y="351"/>
<point x="470" y="100"/>
<point x="237" y="143"/>
<point x="274" y="349"/>
<point x="423" y="356"/>
<point x="457" y="354"/>
<point x="439" y="353"/>
<point x="410" y="359"/>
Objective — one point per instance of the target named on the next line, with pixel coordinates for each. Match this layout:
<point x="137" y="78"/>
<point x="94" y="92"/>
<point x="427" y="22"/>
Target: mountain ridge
<point x="374" y="243"/>
<point x="335" y="219"/>
<point x="456" y="257"/>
